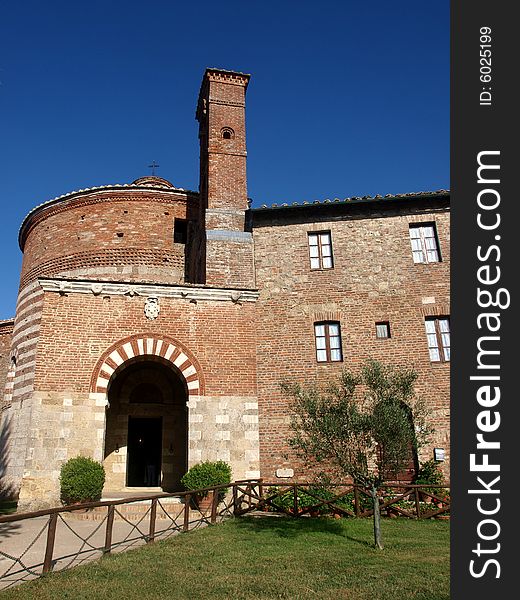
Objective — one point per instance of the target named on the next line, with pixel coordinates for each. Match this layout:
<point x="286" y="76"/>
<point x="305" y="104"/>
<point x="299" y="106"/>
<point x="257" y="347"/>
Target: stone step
<point x="133" y="511"/>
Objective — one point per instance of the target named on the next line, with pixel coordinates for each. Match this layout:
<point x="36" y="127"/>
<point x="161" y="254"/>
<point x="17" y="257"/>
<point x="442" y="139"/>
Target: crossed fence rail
<point x="350" y="500"/>
<point x="115" y="531"/>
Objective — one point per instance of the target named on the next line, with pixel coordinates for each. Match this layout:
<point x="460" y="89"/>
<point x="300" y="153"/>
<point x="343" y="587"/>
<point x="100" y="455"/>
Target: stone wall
<point x="6" y="333"/>
<point x="225" y="428"/>
<point x="62" y="425"/>
<point x="16" y="418"/>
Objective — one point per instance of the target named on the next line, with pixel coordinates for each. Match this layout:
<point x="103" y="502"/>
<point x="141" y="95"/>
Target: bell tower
<point x="223" y="180"/>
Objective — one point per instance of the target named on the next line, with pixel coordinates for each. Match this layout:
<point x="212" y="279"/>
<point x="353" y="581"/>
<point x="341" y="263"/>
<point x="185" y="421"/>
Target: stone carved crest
<point x="151" y="308"/>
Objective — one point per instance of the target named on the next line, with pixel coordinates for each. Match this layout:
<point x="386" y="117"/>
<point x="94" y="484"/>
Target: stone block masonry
<point x="225" y="428"/>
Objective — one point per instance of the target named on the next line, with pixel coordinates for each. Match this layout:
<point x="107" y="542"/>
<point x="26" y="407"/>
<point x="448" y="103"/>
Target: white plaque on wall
<point x="284" y="473"/>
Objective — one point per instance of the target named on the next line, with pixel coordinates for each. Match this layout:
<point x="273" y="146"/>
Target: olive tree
<point x="361" y="425"/>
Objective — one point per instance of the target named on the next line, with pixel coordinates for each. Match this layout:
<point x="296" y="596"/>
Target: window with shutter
<point x="320" y="250"/>
<point x="438" y="336"/>
<point x="424" y="242"/>
<point x="328" y="341"/>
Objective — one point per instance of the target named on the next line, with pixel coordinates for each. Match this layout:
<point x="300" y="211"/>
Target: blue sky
<point x="346" y="98"/>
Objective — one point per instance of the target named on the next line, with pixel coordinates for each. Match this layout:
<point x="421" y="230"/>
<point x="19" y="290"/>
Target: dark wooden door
<point x="144" y="452"/>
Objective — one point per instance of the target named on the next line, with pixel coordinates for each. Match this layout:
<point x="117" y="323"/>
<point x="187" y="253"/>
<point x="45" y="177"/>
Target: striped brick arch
<point x="152" y="347"/>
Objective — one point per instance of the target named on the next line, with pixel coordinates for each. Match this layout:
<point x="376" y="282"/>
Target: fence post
<point x="235" y="500"/>
<point x="187" y="501"/>
<point x="49" y="548"/>
<point x="108" y="532"/>
<point x="295" y="500"/>
<point x="417" y="505"/>
<point x="356" y="500"/>
<point x="214" y="504"/>
<point x="153" y="513"/>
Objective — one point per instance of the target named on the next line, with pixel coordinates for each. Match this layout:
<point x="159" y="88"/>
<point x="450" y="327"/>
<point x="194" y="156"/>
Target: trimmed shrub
<point x="81" y="480"/>
<point x="207" y="474"/>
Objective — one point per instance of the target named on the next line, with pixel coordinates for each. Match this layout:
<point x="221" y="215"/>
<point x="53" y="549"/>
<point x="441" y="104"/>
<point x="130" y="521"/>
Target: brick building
<point x="154" y="324"/>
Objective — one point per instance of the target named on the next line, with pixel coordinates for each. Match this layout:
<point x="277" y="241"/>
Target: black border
<point x="476" y="128"/>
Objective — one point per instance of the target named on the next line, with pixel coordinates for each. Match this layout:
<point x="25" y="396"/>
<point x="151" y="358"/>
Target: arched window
<point x="227" y="133"/>
<point x="399" y="461"/>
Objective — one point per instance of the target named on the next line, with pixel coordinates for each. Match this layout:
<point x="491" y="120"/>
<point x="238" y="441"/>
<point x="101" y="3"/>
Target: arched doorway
<point x="403" y="445"/>
<point x="146" y="439"/>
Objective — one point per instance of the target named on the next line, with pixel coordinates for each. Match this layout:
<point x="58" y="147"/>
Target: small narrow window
<point x="382" y="330"/>
<point x="227" y="133"/>
<point x="180" y="231"/>
<point x="425" y="245"/>
<point x="328" y="342"/>
<point x="438" y="336"/>
<point x="320" y="250"/>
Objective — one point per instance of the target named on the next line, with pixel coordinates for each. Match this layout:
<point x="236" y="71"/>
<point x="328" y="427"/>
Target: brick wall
<point x="221" y="336"/>
<point x="373" y="279"/>
<point x="230" y="260"/>
<point x="67" y="419"/>
<point x="116" y="234"/>
<point x="228" y="247"/>
<point x="6" y="332"/>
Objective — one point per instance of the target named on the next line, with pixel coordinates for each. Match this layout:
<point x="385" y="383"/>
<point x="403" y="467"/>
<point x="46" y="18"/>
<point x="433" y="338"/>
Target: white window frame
<point x="379" y="328"/>
<point x="320" y="250"/>
<point x="438" y="338"/>
<point x="327" y="340"/>
<point x="425" y="243"/>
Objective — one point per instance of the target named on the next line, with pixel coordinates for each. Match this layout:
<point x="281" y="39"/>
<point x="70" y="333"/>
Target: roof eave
<point x="102" y="188"/>
<point x="368" y="200"/>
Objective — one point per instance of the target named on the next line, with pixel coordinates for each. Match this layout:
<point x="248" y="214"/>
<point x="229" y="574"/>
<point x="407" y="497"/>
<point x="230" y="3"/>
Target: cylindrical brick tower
<point x="135" y="233"/>
<point x="135" y="230"/>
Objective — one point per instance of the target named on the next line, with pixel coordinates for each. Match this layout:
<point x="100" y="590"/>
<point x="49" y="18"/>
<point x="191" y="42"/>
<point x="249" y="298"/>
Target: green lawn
<point x="267" y="558"/>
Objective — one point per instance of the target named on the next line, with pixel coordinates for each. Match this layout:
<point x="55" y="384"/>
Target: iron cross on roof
<point x="153" y="166"/>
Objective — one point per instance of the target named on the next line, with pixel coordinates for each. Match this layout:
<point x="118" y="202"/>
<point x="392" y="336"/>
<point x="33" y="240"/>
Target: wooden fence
<point x="349" y="500"/>
<point x="159" y="519"/>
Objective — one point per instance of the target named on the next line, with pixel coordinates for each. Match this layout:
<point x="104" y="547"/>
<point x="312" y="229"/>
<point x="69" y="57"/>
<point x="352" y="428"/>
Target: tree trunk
<point x="377" y="519"/>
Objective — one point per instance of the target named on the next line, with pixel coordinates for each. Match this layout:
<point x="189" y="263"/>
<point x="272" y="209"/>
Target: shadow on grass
<point x="287" y="527"/>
